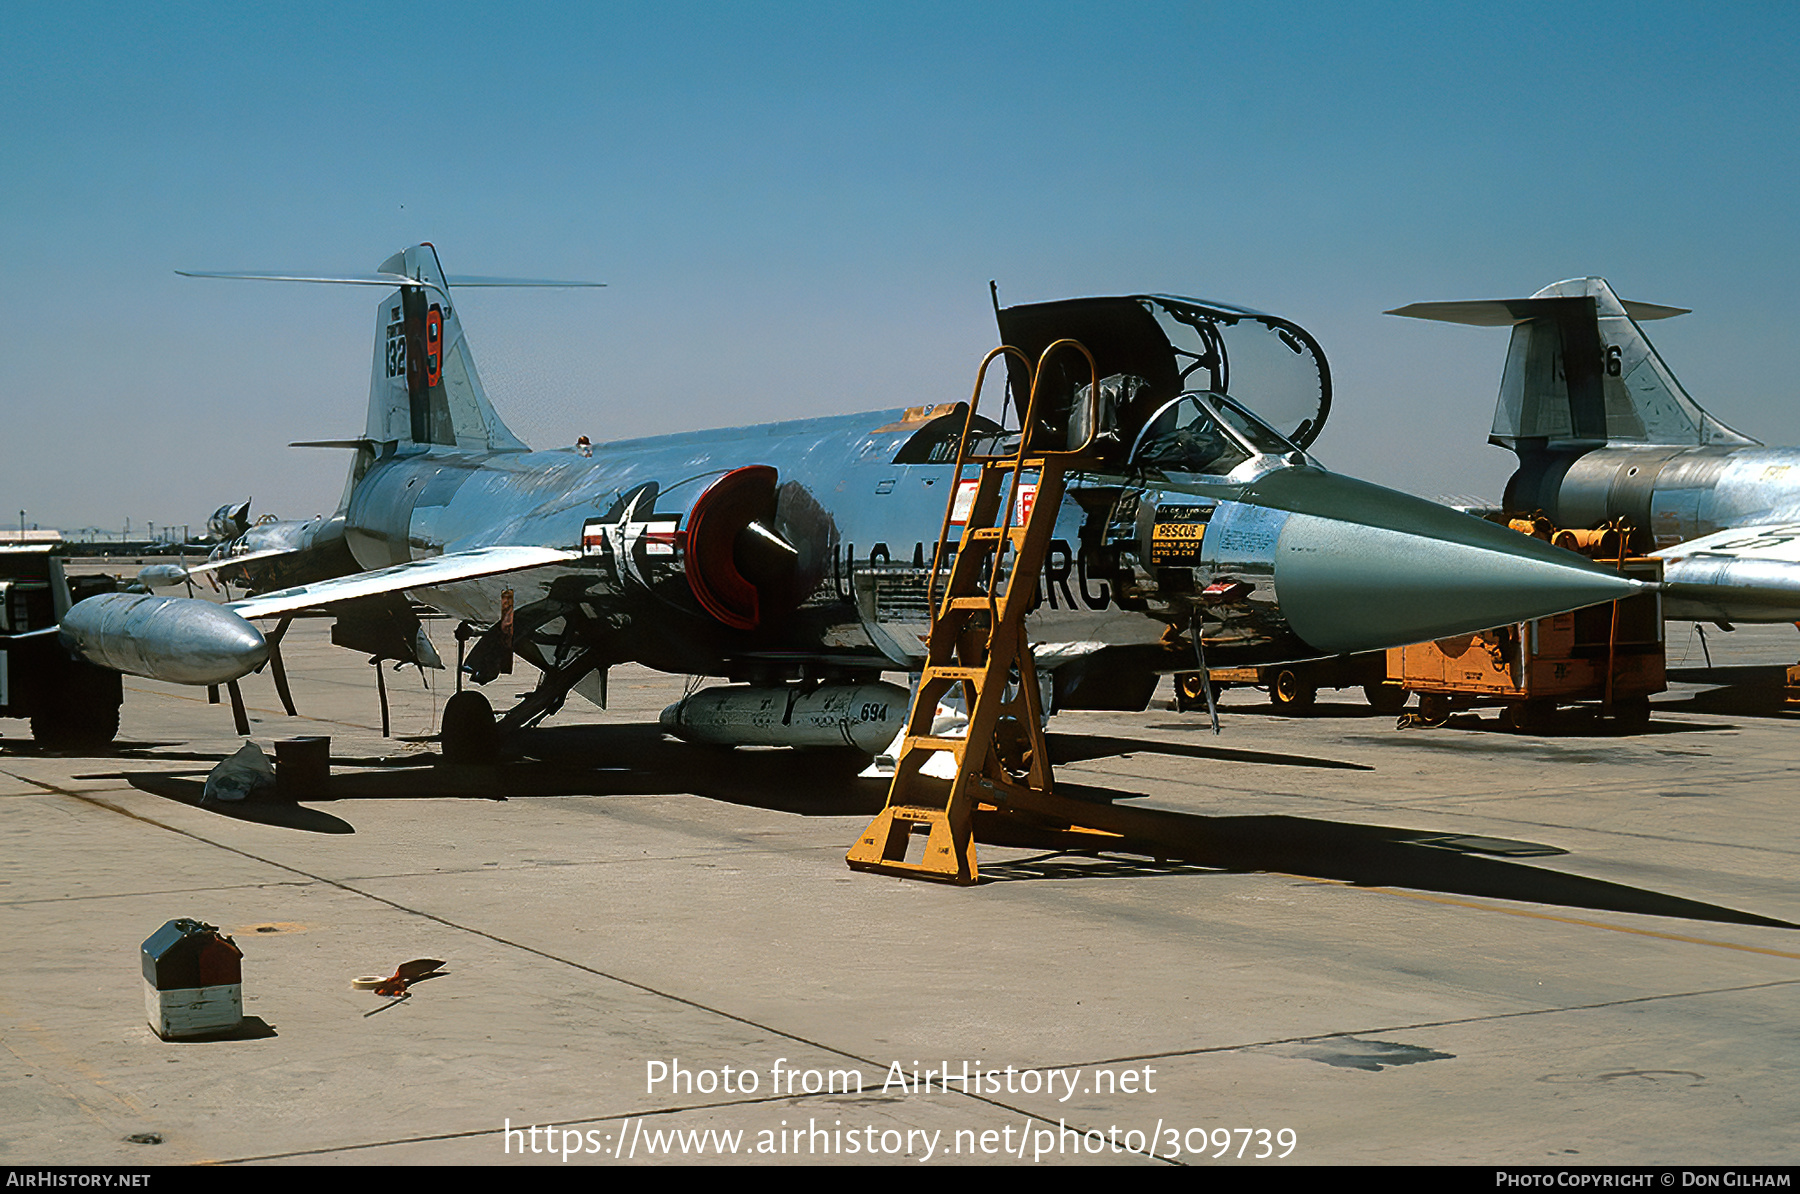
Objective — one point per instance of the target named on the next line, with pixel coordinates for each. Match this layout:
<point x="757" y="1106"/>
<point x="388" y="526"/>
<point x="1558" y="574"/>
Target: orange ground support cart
<point x="1611" y="655"/>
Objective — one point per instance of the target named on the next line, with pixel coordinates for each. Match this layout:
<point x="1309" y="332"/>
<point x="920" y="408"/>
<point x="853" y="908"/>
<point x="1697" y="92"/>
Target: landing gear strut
<point x="470" y="732"/>
<point x="552" y="689"/>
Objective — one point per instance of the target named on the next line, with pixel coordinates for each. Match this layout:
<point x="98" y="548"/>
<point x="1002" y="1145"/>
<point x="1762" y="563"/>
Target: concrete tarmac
<point x="1455" y="945"/>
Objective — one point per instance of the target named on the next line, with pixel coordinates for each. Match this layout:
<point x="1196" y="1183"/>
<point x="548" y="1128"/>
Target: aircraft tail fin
<point x="423" y="387"/>
<point x="1581" y="373"/>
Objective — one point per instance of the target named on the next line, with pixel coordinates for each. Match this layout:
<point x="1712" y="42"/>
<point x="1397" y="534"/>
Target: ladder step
<point x="946" y="672"/>
<point x="885" y="843"/>
<point x="1005" y="463"/>
<point x="916" y="813"/>
<point x="972" y="602"/>
<point x="926" y="742"/>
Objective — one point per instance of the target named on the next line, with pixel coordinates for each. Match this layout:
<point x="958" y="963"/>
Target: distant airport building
<point x="21" y="538"/>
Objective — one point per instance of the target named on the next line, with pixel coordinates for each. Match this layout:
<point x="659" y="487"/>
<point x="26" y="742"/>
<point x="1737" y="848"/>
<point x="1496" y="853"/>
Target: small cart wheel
<point x="1290" y="694"/>
<point x="1190" y="692"/>
<point x="1434" y="708"/>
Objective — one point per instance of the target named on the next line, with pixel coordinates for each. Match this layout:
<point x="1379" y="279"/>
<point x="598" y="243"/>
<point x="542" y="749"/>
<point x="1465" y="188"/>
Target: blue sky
<point x="797" y="209"/>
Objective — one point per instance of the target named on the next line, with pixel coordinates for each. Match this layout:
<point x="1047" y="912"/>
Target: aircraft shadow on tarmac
<point x="1323" y="711"/>
<point x="1570" y="723"/>
<point x="1743" y="691"/>
<point x="261" y="810"/>
<point x="1365" y="856"/>
<point x="588" y="760"/>
<point x="1076" y="748"/>
<point x="1567" y="722"/>
<point x="641" y="760"/>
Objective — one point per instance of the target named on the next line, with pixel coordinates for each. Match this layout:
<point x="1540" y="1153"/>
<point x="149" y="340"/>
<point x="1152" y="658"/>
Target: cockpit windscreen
<point x="1268" y="365"/>
<point x="1206" y="434"/>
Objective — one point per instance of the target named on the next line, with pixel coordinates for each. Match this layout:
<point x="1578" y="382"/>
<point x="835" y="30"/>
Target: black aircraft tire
<point x="1290" y="694"/>
<point x="1386" y="698"/>
<point x="469" y="734"/>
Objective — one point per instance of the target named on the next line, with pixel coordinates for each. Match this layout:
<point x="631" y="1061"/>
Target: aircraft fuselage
<point x="1680" y="493"/>
<point x="804" y="550"/>
<point x="1301" y="562"/>
<point x="862" y="528"/>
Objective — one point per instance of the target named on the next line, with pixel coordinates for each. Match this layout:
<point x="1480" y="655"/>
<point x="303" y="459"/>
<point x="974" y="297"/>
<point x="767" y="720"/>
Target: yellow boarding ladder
<point x="978" y="640"/>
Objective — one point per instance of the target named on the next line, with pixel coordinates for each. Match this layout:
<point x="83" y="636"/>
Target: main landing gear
<point x="471" y="734"/>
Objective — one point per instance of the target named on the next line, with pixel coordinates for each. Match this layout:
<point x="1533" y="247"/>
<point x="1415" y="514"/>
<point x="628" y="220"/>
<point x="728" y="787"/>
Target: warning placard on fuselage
<point x="1176" y="534"/>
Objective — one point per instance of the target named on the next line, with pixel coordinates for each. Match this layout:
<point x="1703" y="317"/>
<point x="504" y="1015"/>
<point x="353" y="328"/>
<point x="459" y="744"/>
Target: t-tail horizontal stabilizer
<point x="424" y="388"/>
<point x="1580" y="372"/>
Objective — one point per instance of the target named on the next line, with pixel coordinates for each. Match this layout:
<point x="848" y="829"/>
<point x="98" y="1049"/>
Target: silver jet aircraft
<point x="793" y="558"/>
<point x="1604" y="431"/>
<point x="270" y="553"/>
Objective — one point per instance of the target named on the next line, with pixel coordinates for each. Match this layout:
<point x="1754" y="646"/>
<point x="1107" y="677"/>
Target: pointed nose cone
<point x="1359" y="567"/>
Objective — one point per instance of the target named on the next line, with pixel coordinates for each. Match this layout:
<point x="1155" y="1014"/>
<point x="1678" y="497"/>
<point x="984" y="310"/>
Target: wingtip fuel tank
<point x="179" y="639"/>
<point x="155" y="576"/>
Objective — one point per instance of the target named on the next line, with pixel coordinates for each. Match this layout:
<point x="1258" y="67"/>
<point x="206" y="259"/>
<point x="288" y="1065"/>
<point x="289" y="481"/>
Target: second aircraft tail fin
<point x="1581" y="373"/>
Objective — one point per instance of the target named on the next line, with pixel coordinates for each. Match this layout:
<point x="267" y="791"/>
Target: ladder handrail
<point x="1093" y="400"/>
<point x="963" y="455"/>
<point x="1026" y="427"/>
<point x="962" y="461"/>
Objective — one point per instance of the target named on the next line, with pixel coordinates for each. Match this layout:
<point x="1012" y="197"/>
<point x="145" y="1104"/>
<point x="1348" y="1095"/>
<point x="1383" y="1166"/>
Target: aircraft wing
<point x="1777" y="542"/>
<point x="1498" y="313"/>
<point x="1744" y="574"/>
<point x="416" y="574"/>
<point x="248" y="557"/>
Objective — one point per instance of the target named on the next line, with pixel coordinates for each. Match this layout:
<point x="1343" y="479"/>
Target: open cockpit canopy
<point x="1152" y="349"/>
